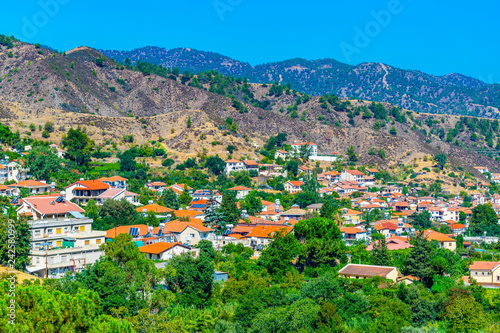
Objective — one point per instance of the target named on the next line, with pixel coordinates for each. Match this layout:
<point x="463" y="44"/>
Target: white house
<point x="234" y="165"/>
<point x="293" y="186"/>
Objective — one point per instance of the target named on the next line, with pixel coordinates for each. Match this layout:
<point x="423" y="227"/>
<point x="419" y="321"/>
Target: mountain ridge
<point x="453" y="93"/>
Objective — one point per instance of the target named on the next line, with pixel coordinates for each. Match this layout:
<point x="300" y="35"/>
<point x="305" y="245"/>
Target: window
<point x="59" y="243"/>
<point x="49" y="231"/>
<point x="87" y="242"/>
<point x="98" y="241"/>
<point x="37" y="232"/>
<point x="191" y="235"/>
<point x="82" y="228"/>
<point x="58" y="230"/>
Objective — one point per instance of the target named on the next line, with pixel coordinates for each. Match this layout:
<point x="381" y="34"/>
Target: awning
<point x="35" y="269"/>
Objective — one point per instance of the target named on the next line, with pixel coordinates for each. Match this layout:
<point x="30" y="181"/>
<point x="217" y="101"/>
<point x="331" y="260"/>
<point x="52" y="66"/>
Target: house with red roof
<point x="165" y="251"/>
<point x="486" y="273"/>
<point x="188" y="233"/>
<point x="241" y="191"/>
<point x="283" y="154"/>
<point x="261" y="235"/>
<point x="84" y="190"/>
<point x="42" y="207"/>
<point x="116" y="182"/>
<point x="352" y="235"/>
<point x="179" y="189"/>
<point x="233" y="165"/>
<point x="156" y="186"/>
<point x="352" y="175"/>
<point x="34" y="186"/>
<point x="293" y="186"/>
<point x="308" y="148"/>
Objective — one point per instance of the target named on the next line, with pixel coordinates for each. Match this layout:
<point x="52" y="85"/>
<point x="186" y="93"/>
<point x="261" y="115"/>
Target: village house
<point x="283" y="154"/>
<point x="156" y="186"/>
<point x="48" y="207"/>
<point x="443" y="240"/>
<point x="351" y="216"/>
<point x="241" y="191"/>
<point x="355" y="271"/>
<point x="293" y="186"/>
<point x="165" y="251"/>
<point x="306" y="148"/>
<point x="188" y="233"/>
<point x="261" y="235"/>
<point x="294" y="214"/>
<point x="84" y="190"/>
<point x="116" y="182"/>
<point x="351" y="235"/>
<point x="34" y="186"/>
<point x="352" y="175"/>
<point x="486" y="273"/>
<point x="234" y="166"/>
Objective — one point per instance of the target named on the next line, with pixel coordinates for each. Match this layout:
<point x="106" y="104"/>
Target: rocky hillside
<point x="83" y="88"/>
<point x="415" y="90"/>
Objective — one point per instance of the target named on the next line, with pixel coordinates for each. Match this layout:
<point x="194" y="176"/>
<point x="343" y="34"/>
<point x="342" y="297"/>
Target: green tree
<point x="465" y="314"/>
<point x="115" y="213"/>
<point x="418" y="261"/>
<point x="188" y="123"/>
<point x="191" y="278"/>
<point x="422" y="220"/>
<point x="242" y="178"/>
<point x="127" y="162"/>
<point x="78" y="147"/>
<point x="92" y="210"/>
<point x="49" y="127"/>
<point x="321" y="242"/>
<point x="185" y="198"/>
<point x="252" y="203"/>
<point x="15" y="241"/>
<point x="351" y="154"/>
<point x="393" y="131"/>
<point x="229" y="209"/>
<point x="169" y="199"/>
<point x="328" y="210"/>
<point x="380" y="253"/>
<point x="43" y="162"/>
<point x="440" y="160"/>
<point x="293" y="167"/>
<point x="215" y="164"/>
<point x="278" y="255"/>
<point x="484" y="219"/>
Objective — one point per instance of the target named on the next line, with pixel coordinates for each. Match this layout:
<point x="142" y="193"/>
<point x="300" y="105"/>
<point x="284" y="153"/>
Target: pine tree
<point x="188" y="123"/>
<point x="418" y="261"/>
<point x="229" y="208"/>
<point x="380" y="253"/>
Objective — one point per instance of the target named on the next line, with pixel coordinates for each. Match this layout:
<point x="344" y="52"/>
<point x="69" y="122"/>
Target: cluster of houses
<point x="63" y="239"/>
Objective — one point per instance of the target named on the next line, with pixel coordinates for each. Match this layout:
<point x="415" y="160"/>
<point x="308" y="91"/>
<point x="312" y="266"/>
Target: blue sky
<point x="437" y="37"/>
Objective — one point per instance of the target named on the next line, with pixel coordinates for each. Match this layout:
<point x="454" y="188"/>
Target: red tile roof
<point x="159" y="247"/>
<point x="90" y="185"/>
<point x="240" y="188"/>
<point x="154" y="208"/>
<point x="49" y="206"/>
<point x="267" y="231"/>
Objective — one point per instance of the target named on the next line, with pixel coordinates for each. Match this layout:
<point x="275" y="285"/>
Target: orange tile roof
<point x="351" y="212"/>
<point x="156" y="184"/>
<point x="239" y="188"/>
<point x="233" y="161"/>
<point x="178" y="226"/>
<point x="355" y="172"/>
<point x="372" y="170"/>
<point x="187" y="213"/>
<point x="267" y="231"/>
<point x="159" y="247"/>
<point x="434" y="235"/>
<point x="242" y="229"/>
<point x="125" y="229"/>
<point x="457" y="226"/>
<point x="296" y="182"/>
<point x="47" y="205"/>
<point x="154" y="208"/>
<point x="113" y="179"/>
<point x="349" y="230"/>
<point x="237" y="236"/>
<point x="91" y="185"/>
<point x="484" y="265"/>
<point x="30" y="183"/>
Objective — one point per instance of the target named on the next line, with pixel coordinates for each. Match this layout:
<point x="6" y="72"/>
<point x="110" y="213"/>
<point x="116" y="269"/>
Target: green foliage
<point x="78" y="147"/>
<point x="484" y="219"/>
<point x="215" y="164"/>
<point x="44" y="163"/>
<point x="418" y="261"/>
<point x="116" y="213"/>
<point x="15" y="244"/>
<point x="440" y="160"/>
<point x="351" y="154"/>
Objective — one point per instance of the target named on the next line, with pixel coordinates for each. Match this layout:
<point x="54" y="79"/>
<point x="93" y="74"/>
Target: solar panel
<point x="77" y="215"/>
<point x="60" y="199"/>
<point x="134" y="232"/>
<point x="198" y="205"/>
